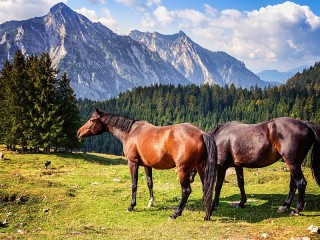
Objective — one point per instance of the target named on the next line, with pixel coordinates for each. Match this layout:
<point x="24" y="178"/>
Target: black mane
<point x="217" y="128"/>
<point x="121" y="122"/>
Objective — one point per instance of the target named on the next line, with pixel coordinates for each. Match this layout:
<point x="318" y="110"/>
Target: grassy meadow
<point x="85" y="196"/>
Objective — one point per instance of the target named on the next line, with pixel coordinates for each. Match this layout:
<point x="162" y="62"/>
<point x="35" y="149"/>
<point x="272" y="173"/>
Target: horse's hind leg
<point x="221" y="173"/>
<point x="192" y="175"/>
<point x="240" y="179"/>
<point x="287" y="203"/>
<point x="148" y="171"/>
<point x="186" y="191"/>
<point x="133" y="166"/>
<point x="297" y="180"/>
<point x="301" y="184"/>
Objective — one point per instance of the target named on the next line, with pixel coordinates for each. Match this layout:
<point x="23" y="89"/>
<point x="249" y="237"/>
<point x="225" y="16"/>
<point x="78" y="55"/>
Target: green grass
<point x="86" y="197"/>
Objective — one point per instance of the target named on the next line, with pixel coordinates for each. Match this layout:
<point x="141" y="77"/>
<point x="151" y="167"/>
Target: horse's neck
<point x="119" y="134"/>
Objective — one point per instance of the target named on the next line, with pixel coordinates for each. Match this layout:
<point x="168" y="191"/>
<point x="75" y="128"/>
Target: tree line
<point x="208" y="106"/>
<point x="37" y="108"/>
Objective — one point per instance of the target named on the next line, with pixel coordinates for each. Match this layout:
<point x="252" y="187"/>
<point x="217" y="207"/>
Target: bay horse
<point x="183" y="146"/>
<point x="259" y="145"/>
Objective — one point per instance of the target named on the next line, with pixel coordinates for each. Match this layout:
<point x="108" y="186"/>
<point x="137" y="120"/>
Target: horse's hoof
<point x="283" y="209"/>
<point x="150" y="204"/>
<point x="294" y="213"/>
<point x="240" y="206"/>
<point x="172" y="217"/>
<point x="130" y="209"/>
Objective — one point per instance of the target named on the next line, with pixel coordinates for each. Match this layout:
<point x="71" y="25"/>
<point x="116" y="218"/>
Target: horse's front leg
<point x="186" y="191"/>
<point x="133" y="166"/>
<point x="148" y="171"/>
<point x="240" y="179"/>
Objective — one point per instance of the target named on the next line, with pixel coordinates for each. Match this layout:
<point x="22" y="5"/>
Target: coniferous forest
<point x="38" y="109"/>
<point x="208" y="106"/>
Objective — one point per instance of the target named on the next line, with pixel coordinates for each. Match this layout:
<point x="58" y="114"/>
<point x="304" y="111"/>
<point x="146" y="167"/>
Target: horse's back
<point x="292" y="137"/>
<point x="168" y="146"/>
<point x="249" y="145"/>
<point x="262" y="144"/>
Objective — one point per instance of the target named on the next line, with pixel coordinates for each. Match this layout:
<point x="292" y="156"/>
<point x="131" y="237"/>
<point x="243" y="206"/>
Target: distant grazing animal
<point x="259" y="145"/>
<point x="47" y="164"/>
<point x="183" y="146"/>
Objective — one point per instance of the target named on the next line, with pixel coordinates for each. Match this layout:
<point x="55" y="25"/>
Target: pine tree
<point x="37" y="108"/>
<point x="68" y="110"/>
<point x="4" y="116"/>
<point x="15" y="102"/>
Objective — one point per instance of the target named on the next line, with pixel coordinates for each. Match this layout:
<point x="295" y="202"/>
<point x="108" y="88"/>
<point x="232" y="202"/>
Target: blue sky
<point x="263" y="34"/>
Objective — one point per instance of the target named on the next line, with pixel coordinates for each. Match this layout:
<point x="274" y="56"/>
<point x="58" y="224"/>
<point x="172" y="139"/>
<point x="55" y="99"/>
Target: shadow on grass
<point x="98" y="159"/>
<point x="258" y="208"/>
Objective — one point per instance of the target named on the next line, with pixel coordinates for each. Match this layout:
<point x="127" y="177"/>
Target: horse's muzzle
<point x="79" y="137"/>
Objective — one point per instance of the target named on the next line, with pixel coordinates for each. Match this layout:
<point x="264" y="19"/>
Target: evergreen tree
<point x="68" y="110"/>
<point x="38" y="109"/>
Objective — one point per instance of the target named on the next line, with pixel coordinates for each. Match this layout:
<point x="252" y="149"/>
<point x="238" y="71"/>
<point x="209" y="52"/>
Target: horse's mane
<point x="121" y="122"/>
<point x="217" y="128"/>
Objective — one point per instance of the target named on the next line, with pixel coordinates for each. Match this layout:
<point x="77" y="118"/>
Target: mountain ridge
<point x="197" y="64"/>
<point x="102" y="64"/>
<point x="274" y="75"/>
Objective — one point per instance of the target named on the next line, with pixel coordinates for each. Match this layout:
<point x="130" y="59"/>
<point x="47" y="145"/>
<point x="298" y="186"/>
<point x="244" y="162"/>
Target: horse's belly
<point x="163" y="162"/>
<point x="256" y="157"/>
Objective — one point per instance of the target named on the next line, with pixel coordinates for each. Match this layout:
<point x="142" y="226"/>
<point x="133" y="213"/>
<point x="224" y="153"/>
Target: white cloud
<point x="150" y="3"/>
<point x="283" y="33"/>
<point x="148" y="21"/>
<point x="106" y="18"/>
<point x="163" y="15"/>
<point x="210" y="11"/>
<point x="21" y="9"/>
<point x="128" y="2"/>
<point x="97" y="1"/>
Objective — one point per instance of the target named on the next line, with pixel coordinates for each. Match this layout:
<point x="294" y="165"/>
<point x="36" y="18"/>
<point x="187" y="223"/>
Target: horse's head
<point x="94" y="126"/>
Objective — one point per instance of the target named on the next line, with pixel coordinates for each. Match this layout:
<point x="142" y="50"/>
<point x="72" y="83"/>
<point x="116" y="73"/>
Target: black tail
<point x="210" y="168"/>
<point x="315" y="156"/>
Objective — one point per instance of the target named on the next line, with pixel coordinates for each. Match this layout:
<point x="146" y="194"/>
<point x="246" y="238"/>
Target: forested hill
<point x="206" y="106"/>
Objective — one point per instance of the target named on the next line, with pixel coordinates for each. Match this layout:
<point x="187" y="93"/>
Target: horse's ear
<point x="98" y="111"/>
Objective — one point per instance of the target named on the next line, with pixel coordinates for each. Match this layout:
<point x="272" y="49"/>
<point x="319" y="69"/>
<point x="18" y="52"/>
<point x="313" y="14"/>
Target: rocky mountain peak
<point x="102" y="64"/>
<point x="196" y="63"/>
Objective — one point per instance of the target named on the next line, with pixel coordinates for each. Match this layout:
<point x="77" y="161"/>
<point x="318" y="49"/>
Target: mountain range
<point x="101" y="64"/>
<point x="197" y="64"/>
<point x="281" y="77"/>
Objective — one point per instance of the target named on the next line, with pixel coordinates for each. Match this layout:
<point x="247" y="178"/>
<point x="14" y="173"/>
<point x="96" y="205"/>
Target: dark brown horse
<point x="259" y="145"/>
<point x="183" y="146"/>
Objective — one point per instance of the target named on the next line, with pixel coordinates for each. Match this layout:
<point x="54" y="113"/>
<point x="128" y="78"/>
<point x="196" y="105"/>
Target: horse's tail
<point x="315" y="155"/>
<point x="210" y="169"/>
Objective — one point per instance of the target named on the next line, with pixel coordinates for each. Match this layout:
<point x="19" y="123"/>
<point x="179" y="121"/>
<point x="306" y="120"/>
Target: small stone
<point x="20" y="231"/>
<point x="264" y="235"/>
<point x="310" y="227"/>
<point x="46" y="210"/>
<point x="5" y="223"/>
<point x="314" y="230"/>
